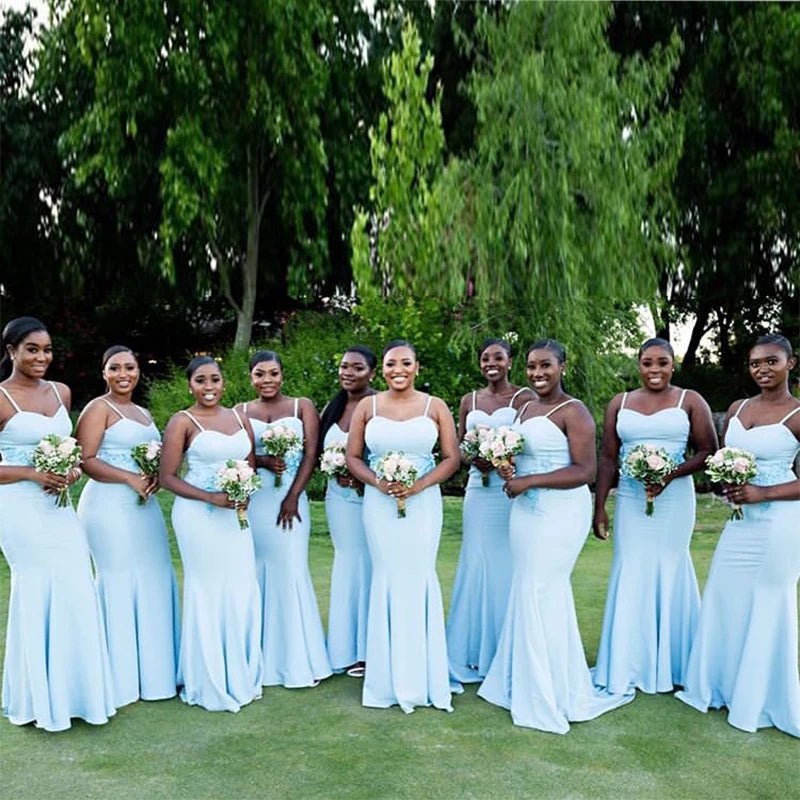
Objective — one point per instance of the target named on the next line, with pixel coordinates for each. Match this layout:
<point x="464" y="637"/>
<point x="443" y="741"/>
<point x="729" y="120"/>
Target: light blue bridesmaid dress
<point x="744" y="654"/>
<point x="539" y="671"/>
<point x="406" y="648"/>
<point x="292" y="641"/>
<point x="219" y="665"/>
<point x="352" y="570"/>
<point x="483" y="576"/>
<point x="653" y="603"/>
<point x="135" y="579"/>
<point x="56" y="663"/>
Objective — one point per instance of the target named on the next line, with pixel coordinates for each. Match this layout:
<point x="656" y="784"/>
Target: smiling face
<point x="400" y="367"/>
<point x="206" y="385"/>
<point x="267" y="378"/>
<point x="544" y="371"/>
<point x="121" y="373"/>
<point x="355" y="373"/>
<point x="33" y="355"/>
<point x="656" y="368"/>
<point x="770" y="366"/>
<point x="495" y="363"/>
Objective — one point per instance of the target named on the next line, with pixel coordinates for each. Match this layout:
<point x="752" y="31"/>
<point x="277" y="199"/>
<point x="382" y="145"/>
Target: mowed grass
<point x="321" y="743"/>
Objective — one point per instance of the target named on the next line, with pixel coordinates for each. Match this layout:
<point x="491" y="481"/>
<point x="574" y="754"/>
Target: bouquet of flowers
<point x="332" y="462"/>
<point x="238" y="480"/>
<point x="147" y="457"/>
<point x="57" y="454"/>
<point x="475" y="445"/>
<point x="649" y="465"/>
<point x="280" y="441"/>
<point x="503" y="443"/>
<point x="396" y="467"/>
<point x="733" y="466"/>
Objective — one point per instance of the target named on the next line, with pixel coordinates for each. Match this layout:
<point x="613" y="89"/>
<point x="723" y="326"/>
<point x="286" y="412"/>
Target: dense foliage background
<point x="189" y="176"/>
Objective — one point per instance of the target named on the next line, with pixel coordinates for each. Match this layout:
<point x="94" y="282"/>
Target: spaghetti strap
<point x="742" y="405"/>
<point x="624" y="398"/>
<point x="147" y="414"/>
<point x="191" y="417"/>
<point x="516" y="395"/>
<point x="238" y="418"/>
<point x="10" y="399"/>
<point x="55" y="392"/>
<point x="427" y="405"/>
<point x="560" y="405"/>
<point x="789" y="415"/>
<point x="375" y="405"/>
<point x="474" y="401"/>
<point x="296" y="401"/>
<point x="244" y="407"/>
<point x="522" y="411"/>
<point x="680" y="401"/>
<point x="113" y="407"/>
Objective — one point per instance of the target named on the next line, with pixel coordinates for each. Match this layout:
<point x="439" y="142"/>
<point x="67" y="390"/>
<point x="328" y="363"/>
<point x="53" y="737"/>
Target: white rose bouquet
<point x="280" y="441"/>
<point x="396" y="467"/>
<point x="238" y="480"/>
<point x="332" y="462"/>
<point x="503" y="443"/>
<point x="733" y="466"/>
<point x="57" y="454"/>
<point x="147" y="457"/>
<point x="649" y="465"/>
<point x="475" y="439"/>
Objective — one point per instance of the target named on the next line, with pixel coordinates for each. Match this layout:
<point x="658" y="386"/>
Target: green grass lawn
<point x="321" y="743"/>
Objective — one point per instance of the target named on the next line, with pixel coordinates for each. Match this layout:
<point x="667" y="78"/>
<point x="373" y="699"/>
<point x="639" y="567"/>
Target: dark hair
<point x="13" y="333"/>
<point x="489" y="342"/>
<point x="776" y="339"/>
<point x="265" y="355"/>
<point x="656" y="342"/>
<point x="552" y="345"/>
<point x="398" y="343"/>
<point x="113" y="350"/>
<point x="335" y="408"/>
<point x="196" y="363"/>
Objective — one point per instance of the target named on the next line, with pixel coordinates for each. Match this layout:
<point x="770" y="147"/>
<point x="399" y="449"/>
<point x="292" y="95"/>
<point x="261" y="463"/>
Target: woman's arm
<point x="356" y="447"/>
<point x="92" y="425"/>
<point x="176" y="440"/>
<point x="448" y="449"/>
<point x="607" y="467"/>
<point x="289" y="506"/>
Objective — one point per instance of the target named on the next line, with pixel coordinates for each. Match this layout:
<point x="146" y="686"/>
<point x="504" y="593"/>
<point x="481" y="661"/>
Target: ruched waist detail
<point x="17" y="456"/>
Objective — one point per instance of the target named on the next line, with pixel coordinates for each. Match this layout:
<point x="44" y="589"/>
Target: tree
<point x="219" y="106"/>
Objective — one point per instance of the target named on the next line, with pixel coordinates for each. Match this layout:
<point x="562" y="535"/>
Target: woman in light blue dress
<point x="56" y="662"/>
<point x="539" y="671"/>
<point x="128" y="538"/>
<point x="293" y="641"/>
<point x="744" y="654"/>
<point x="406" y="646"/>
<point x="483" y="576"/>
<point x="219" y="661"/>
<point x="352" y="571"/>
<point x="653" y="601"/>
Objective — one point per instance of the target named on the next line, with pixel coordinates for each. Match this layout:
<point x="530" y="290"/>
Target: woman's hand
<point x="141" y="484"/>
<point x="221" y="500"/>
<point x="653" y="490"/>
<point x="275" y="464"/>
<point x="513" y="486"/>
<point x="288" y="511"/>
<point x="349" y="482"/>
<point x="507" y="470"/>
<point x="50" y="482"/>
<point x="482" y="464"/>
<point x="600" y="524"/>
<point x="742" y="495"/>
<point x="401" y="491"/>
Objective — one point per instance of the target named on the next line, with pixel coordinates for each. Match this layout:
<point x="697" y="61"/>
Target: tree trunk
<point x="244" y="317"/>
<point x="698" y="331"/>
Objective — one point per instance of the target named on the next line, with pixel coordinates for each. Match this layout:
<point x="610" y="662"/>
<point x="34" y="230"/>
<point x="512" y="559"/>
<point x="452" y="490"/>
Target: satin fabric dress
<point x="134" y="574"/>
<point x="293" y="640"/>
<point x="406" y="647"/>
<point x="483" y="576"/>
<point x="653" y="601"/>
<point x="352" y="570"/>
<point x="539" y="671"/>
<point x="56" y="663"/>
<point x="219" y="665"/>
<point x="744" y="655"/>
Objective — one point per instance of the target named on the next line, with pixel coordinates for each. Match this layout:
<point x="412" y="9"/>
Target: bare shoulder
<point x="306" y="406"/>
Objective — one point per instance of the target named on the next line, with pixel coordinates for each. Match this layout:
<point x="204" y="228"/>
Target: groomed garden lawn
<point x="320" y="743"/>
